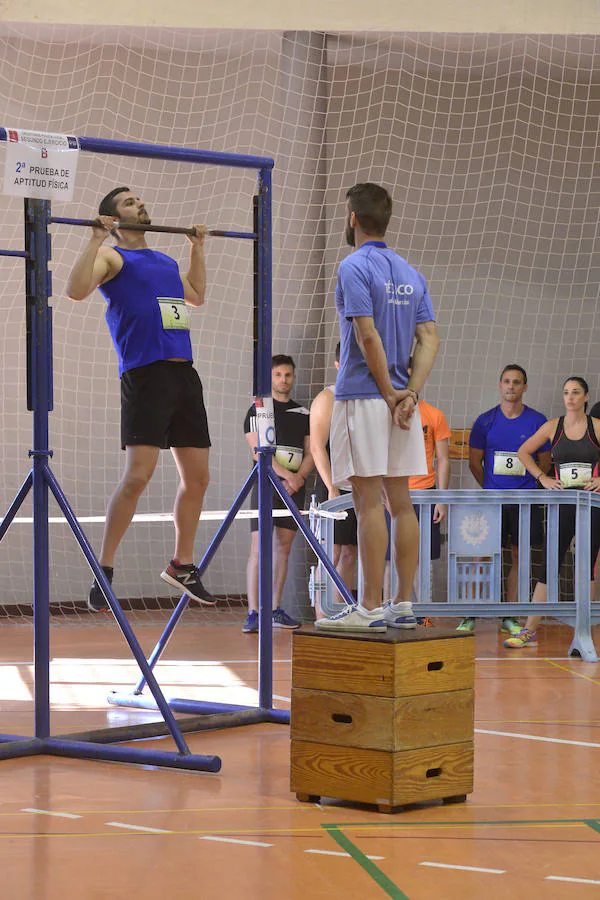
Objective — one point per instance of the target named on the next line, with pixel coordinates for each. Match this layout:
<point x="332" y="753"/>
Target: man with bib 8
<point x="161" y="394"/>
<point x="494" y="463"/>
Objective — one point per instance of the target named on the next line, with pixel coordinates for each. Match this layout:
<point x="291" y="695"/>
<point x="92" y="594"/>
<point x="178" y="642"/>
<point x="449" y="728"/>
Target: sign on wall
<point x="40" y="165"/>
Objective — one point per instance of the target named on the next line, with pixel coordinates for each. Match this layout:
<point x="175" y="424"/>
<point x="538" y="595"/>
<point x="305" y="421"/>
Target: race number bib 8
<point x="507" y="464"/>
<point x="289" y="457"/>
<point x="174" y="313"/>
<point x="575" y="474"/>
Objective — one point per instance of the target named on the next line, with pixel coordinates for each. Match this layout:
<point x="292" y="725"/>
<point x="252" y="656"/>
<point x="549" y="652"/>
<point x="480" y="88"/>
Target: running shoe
<point x="354" y="619"/>
<point x="510" y="626"/>
<point x="187" y="579"/>
<point x="250" y="626"/>
<point x="399" y="615"/>
<point x="96" y="601"/>
<point x="524" y="638"/>
<point x="282" y="620"/>
<point x="467" y="625"/>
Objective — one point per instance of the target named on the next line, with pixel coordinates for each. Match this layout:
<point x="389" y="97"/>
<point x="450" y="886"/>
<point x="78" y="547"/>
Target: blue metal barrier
<point x="474" y="564"/>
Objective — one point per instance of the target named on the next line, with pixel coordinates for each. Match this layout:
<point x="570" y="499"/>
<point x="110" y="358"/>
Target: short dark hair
<point x="513" y="367"/>
<point x="280" y="359"/>
<point x="337" y="351"/>
<point x="107" y="204"/>
<point x="372" y="206"/>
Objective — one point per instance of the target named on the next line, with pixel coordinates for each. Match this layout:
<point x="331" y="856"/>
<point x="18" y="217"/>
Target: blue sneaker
<point x="399" y="615"/>
<point x="282" y="620"/>
<point x="250" y="626"/>
<point x="354" y="619"/>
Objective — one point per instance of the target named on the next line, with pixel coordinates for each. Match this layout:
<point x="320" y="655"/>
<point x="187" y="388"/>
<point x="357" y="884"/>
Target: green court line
<point x="593" y="824"/>
<point x="366" y="864"/>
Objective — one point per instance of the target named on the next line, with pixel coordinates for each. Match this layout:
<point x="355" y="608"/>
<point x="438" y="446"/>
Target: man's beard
<point x="349" y="233"/>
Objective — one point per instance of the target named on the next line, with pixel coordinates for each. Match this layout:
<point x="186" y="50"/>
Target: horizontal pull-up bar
<point x="166" y="229"/>
<point x="22" y="253"/>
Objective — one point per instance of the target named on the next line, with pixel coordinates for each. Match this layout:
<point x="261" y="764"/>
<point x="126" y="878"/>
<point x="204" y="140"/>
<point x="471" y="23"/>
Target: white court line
<point x="224" y="840"/>
<point x="277" y="697"/>
<point x="435" y="865"/>
<point x="536" y="737"/>
<point x="46" y="812"/>
<point x="138" y="828"/>
<point x="338" y="853"/>
<point x="522" y="658"/>
<point x="574" y="880"/>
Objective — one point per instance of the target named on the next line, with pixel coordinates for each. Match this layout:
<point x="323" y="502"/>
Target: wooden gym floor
<point x="102" y="831"/>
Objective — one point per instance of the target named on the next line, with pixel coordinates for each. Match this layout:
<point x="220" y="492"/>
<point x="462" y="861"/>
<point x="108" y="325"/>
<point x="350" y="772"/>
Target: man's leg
<point x="406" y="536"/>
<point x="346" y="567"/>
<point x="192" y="465"/>
<point x="372" y="537"/>
<point x="139" y="467"/>
<point x="282" y="544"/>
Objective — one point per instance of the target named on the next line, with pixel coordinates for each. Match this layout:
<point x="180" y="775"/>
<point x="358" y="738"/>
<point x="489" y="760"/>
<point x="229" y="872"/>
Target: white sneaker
<point x="399" y="615"/>
<point x="354" y="618"/>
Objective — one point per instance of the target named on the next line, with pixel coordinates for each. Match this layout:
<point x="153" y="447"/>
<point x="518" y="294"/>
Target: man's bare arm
<point x="194" y="281"/>
<point x="96" y="264"/>
<point x="424" y="354"/>
<point x="476" y="464"/>
<point x="321" y="411"/>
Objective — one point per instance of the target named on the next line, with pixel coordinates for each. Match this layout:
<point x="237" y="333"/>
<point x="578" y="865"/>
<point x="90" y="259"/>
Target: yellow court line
<point x="572" y="672"/>
<point x="538" y="721"/>
<point x="376" y="829"/>
<point x="111" y="812"/>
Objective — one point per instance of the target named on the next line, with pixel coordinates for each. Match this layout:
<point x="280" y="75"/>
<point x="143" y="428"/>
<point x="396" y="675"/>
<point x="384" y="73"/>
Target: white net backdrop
<point x="488" y="144"/>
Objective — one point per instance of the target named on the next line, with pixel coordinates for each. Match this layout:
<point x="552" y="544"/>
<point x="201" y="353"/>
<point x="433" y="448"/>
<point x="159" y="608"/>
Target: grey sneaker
<point x="96" y="601"/>
<point x="399" y="615"/>
<point x="354" y="619"/>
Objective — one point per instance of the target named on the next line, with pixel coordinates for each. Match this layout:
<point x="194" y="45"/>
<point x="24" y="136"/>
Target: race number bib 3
<point x="575" y="474"/>
<point x="174" y="313"/>
<point x="507" y="464"/>
<point x="289" y="457"/>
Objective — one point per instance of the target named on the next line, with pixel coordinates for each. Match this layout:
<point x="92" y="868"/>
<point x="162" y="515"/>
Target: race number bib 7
<point x="289" y="457"/>
<point x="507" y="464"/>
<point x="174" y="313"/>
<point x="575" y="474"/>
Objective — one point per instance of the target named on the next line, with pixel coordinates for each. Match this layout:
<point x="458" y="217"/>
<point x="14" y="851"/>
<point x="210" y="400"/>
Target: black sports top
<point x="575" y="462"/>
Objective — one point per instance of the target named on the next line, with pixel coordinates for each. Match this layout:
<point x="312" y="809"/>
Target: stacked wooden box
<point x="384" y="719"/>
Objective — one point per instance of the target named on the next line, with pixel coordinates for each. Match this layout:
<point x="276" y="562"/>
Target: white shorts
<point x="365" y="442"/>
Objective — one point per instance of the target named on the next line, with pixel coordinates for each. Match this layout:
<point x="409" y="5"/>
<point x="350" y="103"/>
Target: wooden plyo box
<point x="384" y="719"/>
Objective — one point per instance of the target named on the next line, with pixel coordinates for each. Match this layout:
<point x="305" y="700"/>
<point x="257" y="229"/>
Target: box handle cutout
<point x="433" y="773"/>
<point x="342" y="717"/>
<point x="435" y="666"/>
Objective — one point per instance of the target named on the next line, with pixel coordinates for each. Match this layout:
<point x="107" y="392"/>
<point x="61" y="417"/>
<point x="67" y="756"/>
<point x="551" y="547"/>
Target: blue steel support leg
<point x="184" y="601"/>
<point x="117" y="612"/>
<point x="265" y="581"/>
<point x="15" y="506"/>
<point x="582" y="644"/>
<point x="311" y="539"/>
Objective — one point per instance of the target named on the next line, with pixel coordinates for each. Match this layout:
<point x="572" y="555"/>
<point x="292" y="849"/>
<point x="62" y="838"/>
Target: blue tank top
<point x="143" y="329"/>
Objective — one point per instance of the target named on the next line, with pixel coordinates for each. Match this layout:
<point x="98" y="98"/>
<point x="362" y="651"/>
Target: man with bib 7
<point x="162" y="402"/>
<point x="494" y="463"/>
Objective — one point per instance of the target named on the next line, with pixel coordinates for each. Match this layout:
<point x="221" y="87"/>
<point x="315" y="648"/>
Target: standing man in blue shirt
<point x="161" y="394"/>
<point x="376" y="434"/>
<point x="493" y="444"/>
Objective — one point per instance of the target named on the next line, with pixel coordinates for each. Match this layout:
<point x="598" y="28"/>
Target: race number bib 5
<point x="289" y="457"/>
<point x="575" y="474"/>
<point x="507" y="464"/>
<point x="174" y="313"/>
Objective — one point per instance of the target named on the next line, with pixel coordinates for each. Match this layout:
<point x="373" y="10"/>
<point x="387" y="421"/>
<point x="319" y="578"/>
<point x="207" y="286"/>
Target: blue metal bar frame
<point x="41" y="480"/>
<point x="576" y="614"/>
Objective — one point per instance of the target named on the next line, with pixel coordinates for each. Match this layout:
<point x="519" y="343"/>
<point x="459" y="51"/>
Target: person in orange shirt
<point x="436" y="434"/>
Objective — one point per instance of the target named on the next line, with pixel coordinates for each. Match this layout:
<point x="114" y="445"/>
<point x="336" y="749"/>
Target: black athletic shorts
<point x="344" y="530"/>
<point x="287" y="522"/>
<point x="510" y="526"/>
<point x="436" y="535"/>
<point x="162" y="406"/>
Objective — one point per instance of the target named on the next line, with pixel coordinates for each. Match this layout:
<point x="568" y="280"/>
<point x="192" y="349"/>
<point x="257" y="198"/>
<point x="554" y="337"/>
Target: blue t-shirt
<point x="375" y="281"/>
<point x="501" y="438"/>
<point x="137" y="326"/>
